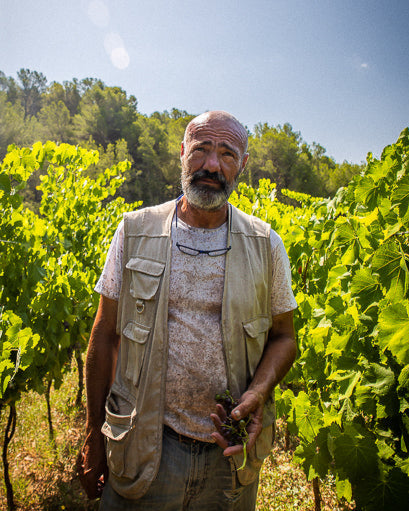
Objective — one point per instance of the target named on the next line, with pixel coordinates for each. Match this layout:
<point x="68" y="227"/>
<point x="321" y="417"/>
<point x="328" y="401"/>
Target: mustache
<point x="205" y="174"/>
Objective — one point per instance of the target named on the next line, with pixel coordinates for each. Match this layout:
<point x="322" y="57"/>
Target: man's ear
<point x="244" y="162"/>
<point x="182" y="149"/>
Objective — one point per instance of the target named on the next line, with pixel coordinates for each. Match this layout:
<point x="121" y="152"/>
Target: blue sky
<point x="336" y="70"/>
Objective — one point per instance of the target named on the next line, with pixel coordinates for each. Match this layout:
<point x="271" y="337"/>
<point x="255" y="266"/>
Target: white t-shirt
<point x="196" y="368"/>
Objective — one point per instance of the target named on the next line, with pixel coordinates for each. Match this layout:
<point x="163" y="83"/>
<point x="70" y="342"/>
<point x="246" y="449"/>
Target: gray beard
<point x="202" y="196"/>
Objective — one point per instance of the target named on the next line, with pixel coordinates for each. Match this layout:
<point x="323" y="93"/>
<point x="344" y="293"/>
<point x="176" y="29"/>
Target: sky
<point x="336" y="70"/>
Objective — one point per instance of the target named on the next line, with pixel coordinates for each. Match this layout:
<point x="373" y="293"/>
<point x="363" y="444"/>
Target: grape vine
<point x="347" y="396"/>
<point x="49" y="263"/>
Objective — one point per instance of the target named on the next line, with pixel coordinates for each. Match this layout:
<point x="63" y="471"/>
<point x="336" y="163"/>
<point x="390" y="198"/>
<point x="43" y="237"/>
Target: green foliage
<point x="278" y="154"/>
<point x="49" y="262"/>
<point x="33" y="84"/>
<point x="104" y="113"/>
<point x="348" y="395"/>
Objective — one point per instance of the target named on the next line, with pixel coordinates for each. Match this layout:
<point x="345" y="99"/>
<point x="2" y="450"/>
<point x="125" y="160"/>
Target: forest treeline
<point x="96" y="116"/>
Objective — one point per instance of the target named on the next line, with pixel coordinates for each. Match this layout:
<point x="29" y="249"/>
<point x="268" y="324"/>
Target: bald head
<point x="218" y="120"/>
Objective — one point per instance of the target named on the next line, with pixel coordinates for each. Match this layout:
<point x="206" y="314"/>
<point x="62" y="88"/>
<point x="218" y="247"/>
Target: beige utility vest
<point x="135" y="406"/>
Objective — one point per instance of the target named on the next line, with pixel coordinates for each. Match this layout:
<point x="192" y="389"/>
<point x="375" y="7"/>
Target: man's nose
<point x="212" y="163"/>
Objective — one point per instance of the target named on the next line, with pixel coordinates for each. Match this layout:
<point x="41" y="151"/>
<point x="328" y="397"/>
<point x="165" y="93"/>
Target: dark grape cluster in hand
<point x="234" y="431"/>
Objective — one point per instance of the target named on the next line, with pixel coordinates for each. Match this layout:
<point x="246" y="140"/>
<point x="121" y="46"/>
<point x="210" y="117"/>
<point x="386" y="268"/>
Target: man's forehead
<point x="217" y="129"/>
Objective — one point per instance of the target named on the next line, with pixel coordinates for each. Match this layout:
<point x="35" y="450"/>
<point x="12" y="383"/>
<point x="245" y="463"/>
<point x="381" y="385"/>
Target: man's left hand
<point x="251" y="403"/>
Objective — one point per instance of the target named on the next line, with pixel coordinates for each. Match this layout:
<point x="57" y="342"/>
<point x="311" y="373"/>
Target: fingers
<point x="92" y="484"/>
<point x="229" y="434"/>
<point x="233" y="450"/>
<point x="221" y="412"/>
<point x="218" y="420"/>
<point x="100" y="485"/>
<point x="229" y="450"/>
<point x="250" y="403"/>
<point x="220" y="440"/>
<point x="218" y="435"/>
<point x="92" y="471"/>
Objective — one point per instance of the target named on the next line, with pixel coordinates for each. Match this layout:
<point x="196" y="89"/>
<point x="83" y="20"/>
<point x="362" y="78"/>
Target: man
<point x="195" y="298"/>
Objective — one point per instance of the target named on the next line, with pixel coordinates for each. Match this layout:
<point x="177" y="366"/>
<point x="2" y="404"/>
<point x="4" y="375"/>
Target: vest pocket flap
<point x="154" y="268"/>
<point x="136" y="332"/>
<point x="145" y="277"/>
<point x="116" y="425"/>
<point x="116" y="431"/>
<point x="256" y="326"/>
<point x="135" y="337"/>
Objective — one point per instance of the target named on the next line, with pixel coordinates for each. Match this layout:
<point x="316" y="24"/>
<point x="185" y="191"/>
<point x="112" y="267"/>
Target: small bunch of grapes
<point x="234" y="431"/>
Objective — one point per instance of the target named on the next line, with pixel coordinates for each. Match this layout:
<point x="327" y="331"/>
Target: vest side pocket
<point x="136" y="336"/>
<point x="255" y="331"/>
<point x="116" y="429"/>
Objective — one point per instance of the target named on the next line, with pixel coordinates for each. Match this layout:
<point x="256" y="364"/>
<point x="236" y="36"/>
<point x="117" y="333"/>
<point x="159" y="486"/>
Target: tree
<point x="106" y="114"/>
<point x="9" y="85"/>
<point x="342" y="174"/>
<point x="277" y="153"/>
<point x="68" y="93"/>
<point x="151" y="154"/>
<point x="12" y="123"/>
<point x="33" y="85"/>
<point x="14" y="129"/>
<point x="55" y="122"/>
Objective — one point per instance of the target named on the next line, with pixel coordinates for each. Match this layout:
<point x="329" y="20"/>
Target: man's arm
<point x="99" y="374"/>
<point x="278" y="357"/>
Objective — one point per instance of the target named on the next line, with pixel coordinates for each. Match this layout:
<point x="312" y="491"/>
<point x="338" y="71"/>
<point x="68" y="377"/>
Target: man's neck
<point x="203" y="218"/>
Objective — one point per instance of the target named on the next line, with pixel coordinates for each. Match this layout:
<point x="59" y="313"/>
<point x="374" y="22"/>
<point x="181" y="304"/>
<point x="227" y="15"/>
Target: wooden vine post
<point x="8" y="435"/>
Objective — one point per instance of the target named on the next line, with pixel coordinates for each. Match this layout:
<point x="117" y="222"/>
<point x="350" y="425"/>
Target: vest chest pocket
<point x="136" y="336"/>
<point x="256" y="331"/>
<point x="145" y="277"/>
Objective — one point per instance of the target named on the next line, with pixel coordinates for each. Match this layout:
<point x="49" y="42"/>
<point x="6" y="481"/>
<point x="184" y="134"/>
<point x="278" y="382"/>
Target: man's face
<point x="212" y="157"/>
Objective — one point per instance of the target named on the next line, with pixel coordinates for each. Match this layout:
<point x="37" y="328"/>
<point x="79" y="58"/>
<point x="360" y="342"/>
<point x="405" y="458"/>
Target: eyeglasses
<point x="195" y="251"/>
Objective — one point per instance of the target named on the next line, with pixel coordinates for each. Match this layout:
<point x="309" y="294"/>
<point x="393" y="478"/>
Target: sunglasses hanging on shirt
<point x="195" y="251"/>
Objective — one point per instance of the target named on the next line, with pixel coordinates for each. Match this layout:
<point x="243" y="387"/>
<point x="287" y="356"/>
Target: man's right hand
<point x="92" y="466"/>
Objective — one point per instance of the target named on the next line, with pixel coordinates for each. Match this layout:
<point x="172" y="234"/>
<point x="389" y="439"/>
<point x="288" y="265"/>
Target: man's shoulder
<point x="151" y="210"/>
<point x="249" y="224"/>
<point x="148" y="218"/>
